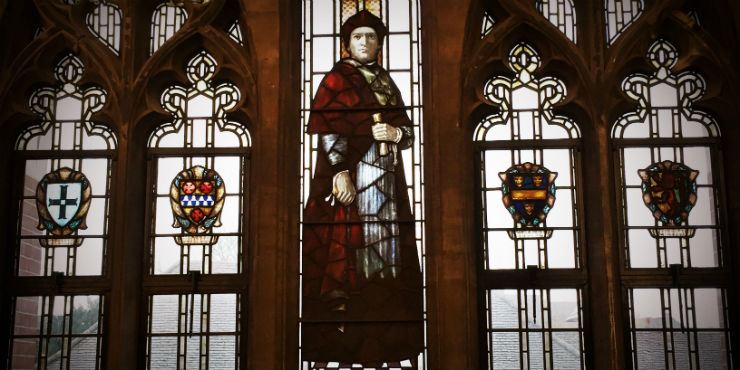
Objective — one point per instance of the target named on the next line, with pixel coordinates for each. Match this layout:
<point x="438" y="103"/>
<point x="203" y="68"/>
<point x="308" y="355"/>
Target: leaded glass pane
<point x="535" y="329"/>
<point x="105" y="23"/>
<point x="561" y="14"/>
<point x="57" y="332"/>
<point x="193" y="331"/>
<point x="400" y="57"/>
<point x="669" y="194"/>
<point x="235" y="32"/>
<point x="63" y="210"/>
<point x="486" y="25"/>
<point x="619" y="14"/>
<point x="198" y="200"/>
<point x="528" y="193"/>
<point x="679" y="328"/>
<point x="167" y="19"/>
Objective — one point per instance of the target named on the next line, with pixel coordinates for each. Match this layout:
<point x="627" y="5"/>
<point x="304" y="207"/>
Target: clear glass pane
<point x="163" y="355"/>
<point x="650" y="350"/>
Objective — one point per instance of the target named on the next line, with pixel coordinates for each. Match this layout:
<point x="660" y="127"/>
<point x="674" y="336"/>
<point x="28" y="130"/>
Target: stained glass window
<point x="661" y="228"/>
<point x="57" y="332"/>
<point x="530" y="220"/>
<point x="105" y="23"/>
<point x="390" y="211"/>
<point x="694" y="15"/>
<point x="62" y="222"/>
<point x="679" y="328"/>
<point x="535" y="329"/>
<point x="235" y="32"/>
<point x="167" y="19"/>
<point x="619" y="14"/>
<point x="670" y="218"/>
<point x="561" y="14"/>
<point x="193" y="331"/>
<point x="197" y="228"/>
<point x="486" y="25"/>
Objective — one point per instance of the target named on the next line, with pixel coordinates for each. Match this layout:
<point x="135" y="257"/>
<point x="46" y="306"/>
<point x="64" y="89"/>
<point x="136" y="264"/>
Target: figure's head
<point x="363" y="44"/>
<point x="363" y="35"/>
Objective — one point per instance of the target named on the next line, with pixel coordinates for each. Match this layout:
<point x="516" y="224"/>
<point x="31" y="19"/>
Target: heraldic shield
<point x="197" y="197"/>
<point x="62" y="201"/>
<point x="529" y="195"/>
<point x="669" y="192"/>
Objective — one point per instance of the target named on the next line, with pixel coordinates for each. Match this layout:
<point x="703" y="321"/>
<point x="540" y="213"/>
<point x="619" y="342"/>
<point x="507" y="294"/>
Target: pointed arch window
<point x="562" y="14"/>
<point x="63" y="225"/>
<point x="105" y="23"/>
<point x="671" y="220"/>
<point x="167" y="19"/>
<point x="199" y="167"/>
<point x="531" y="254"/>
<point x="620" y="14"/>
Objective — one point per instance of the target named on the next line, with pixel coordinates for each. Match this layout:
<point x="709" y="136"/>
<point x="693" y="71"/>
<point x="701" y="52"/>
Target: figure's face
<point x="364" y="44"/>
<point x="518" y="180"/>
<point x="537" y="180"/>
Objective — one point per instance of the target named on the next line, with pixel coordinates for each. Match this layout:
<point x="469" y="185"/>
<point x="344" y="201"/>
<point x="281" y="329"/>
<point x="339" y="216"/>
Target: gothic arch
<point x="698" y="49"/>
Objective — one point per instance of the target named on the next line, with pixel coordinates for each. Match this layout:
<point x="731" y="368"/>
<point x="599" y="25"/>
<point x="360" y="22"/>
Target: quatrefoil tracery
<point x="665" y="90"/>
<point x="524" y="93"/>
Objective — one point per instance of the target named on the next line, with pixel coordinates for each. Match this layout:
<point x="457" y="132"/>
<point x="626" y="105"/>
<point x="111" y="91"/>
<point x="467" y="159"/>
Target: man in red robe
<point x="362" y="285"/>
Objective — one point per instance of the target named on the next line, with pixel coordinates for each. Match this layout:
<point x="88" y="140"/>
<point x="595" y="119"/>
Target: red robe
<point x="381" y="318"/>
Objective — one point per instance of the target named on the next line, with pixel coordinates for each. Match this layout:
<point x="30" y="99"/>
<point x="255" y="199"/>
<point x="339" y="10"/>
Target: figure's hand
<point x="344" y="189"/>
<point x="386" y="132"/>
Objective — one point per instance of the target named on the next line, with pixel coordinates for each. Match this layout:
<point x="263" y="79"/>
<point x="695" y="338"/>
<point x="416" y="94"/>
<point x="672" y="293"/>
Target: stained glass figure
<point x="105" y="23"/>
<point x="167" y="19"/>
<point x="561" y="14"/>
<point x="486" y="25"/>
<point x="620" y="14"/>
<point x="197" y="198"/>
<point x="529" y="195"/>
<point x="62" y="200"/>
<point x="669" y="191"/>
<point x="362" y="281"/>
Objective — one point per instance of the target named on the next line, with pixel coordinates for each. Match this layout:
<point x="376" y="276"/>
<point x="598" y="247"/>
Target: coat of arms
<point x="62" y="201"/>
<point x="529" y="195"/>
<point x="197" y="198"/>
<point x="669" y="191"/>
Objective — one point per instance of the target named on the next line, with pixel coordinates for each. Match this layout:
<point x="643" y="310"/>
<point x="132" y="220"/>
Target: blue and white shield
<point x="63" y="200"/>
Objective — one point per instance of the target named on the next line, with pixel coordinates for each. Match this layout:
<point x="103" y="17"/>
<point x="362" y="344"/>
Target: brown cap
<point x="363" y="18"/>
